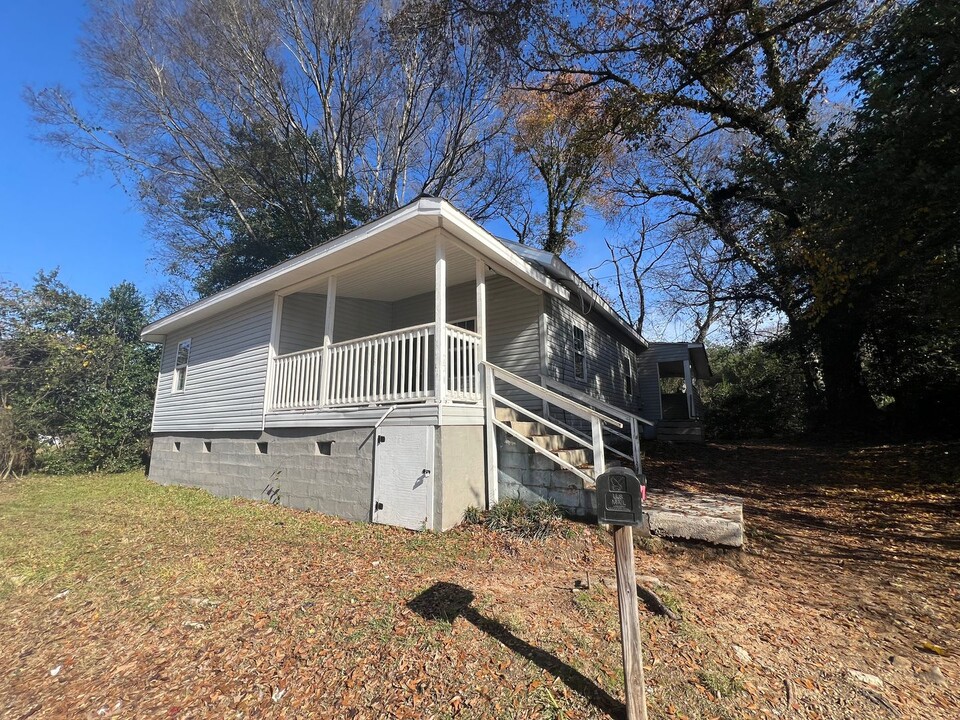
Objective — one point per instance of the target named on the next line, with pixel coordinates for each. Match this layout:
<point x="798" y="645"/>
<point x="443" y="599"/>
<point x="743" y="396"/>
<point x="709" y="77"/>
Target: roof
<point x="420" y="216"/>
<point x="671" y="355"/>
<point x="539" y="268"/>
<point x="567" y="276"/>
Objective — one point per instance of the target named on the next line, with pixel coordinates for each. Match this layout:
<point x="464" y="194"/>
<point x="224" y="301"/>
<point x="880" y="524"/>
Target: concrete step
<point x="550" y="442"/>
<point x="528" y="429"/>
<point x="505" y="414"/>
<point x="681" y="439"/>
<point x="576" y="457"/>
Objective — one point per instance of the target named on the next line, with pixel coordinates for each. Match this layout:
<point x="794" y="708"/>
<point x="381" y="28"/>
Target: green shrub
<point x="756" y="391"/>
<point x="515" y="517"/>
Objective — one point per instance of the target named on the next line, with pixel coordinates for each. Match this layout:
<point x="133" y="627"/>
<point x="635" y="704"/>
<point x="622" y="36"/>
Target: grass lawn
<point x="122" y="598"/>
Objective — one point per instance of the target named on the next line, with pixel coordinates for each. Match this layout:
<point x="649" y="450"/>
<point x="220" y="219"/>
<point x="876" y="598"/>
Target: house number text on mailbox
<point x="619" y="497"/>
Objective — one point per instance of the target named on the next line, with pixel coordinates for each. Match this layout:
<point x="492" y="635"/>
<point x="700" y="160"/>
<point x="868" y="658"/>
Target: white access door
<point x="403" y="476"/>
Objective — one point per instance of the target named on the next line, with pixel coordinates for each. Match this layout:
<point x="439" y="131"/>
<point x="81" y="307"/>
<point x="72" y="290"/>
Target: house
<point x="412" y="367"/>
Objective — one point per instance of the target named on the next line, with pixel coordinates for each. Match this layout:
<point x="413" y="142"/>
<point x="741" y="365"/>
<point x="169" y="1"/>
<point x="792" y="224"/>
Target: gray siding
<point x="419" y="309"/>
<point x="513" y="334"/>
<point x="649" y="380"/>
<point x="226" y="374"/>
<point x="356" y="317"/>
<point x="301" y="322"/>
<point x="606" y="351"/>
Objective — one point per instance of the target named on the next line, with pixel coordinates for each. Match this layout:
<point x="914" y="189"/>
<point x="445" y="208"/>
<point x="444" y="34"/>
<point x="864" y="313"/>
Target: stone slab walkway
<point x="716" y="519"/>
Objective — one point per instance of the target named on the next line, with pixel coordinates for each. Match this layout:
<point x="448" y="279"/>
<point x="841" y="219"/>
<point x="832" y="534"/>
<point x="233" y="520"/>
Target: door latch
<point x="381" y="439"/>
<point x="378" y="505"/>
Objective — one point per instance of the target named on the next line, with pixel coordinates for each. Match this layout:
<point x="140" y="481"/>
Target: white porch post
<point x="328" y="320"/>
<point x="485" y="378"/>
<point x="440" y="318"/>
<point x="269" y="394"/>
<point x="688" y="382"/>
<point x="482" y="307"/>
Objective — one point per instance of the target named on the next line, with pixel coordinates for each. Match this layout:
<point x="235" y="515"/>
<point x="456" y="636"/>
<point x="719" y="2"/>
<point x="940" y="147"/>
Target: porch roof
<point x="410" y="221"/>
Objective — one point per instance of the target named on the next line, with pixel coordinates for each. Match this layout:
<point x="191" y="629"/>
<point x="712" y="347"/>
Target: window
<point x="579" y="360"/>
<point x="180" y="369"/>
<point x="628" y="376"/>
<point x="262" y="448"/>
<point x="466" y="324"/>
<point x="324" y="447"/>
<point x="207" y="446"/>
<point x="176" y="446"/>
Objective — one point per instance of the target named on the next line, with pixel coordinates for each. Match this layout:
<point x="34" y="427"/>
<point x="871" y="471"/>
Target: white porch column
<point x="485" y="380"/>
<point x="328" y="320"/>
<point x="270" y="393"/>
<point x="482" y="307"/>
<point x="688" y="382"/>
<point x="440" y="318"/>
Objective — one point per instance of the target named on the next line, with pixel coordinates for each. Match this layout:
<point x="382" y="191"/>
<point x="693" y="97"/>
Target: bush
<point x="515" y="517"/>
<point x="75" y="381"/>
<point x="757" y="391"/>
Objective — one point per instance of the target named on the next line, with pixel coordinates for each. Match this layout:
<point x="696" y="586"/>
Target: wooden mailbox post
<point x="620" y="495"/>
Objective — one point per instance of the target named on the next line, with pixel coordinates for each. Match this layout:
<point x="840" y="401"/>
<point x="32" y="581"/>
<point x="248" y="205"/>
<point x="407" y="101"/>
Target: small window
<point x="207" y="446"/>
<point x="466" y="324"/>
<point x="628" y="376"/>
<point x="180" y="369"/>
<point x="579" y="359"/>
<point x="176" y="446"/>
<point x="262" y="448"/>
<point x="324" y="447"/>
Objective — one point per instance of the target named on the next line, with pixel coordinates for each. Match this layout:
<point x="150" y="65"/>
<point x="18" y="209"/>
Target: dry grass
<point x="150" y="601"/>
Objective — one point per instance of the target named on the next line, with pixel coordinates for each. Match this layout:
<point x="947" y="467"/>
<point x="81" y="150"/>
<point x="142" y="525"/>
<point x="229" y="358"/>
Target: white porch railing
<point x="387" y="367"/>
<point x="463" y="356"/>
<point x="296" y="380"/>
<point x="394" y="366"/>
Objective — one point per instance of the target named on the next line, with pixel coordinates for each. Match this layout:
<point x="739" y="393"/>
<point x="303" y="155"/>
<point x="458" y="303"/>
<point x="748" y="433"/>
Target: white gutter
<point x="279" y="276"/>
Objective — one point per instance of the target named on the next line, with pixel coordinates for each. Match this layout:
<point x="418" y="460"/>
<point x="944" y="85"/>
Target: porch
<point x="404" y="328"/>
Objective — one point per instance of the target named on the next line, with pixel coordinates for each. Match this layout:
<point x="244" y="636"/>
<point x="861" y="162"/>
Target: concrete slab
<point x="716" y="519"/>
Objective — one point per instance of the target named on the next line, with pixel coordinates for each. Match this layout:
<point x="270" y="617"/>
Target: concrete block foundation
<point x="290" y="467"/>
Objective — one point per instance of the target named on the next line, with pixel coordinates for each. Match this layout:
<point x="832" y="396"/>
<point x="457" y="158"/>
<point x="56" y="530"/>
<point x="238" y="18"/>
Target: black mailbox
<point x="620" y="497"/>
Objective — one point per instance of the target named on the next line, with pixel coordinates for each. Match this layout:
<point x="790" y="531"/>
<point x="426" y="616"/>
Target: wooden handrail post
<point x="635" y="437"/>
<point x="490" y="410"/>
<point x="596" y="427"/>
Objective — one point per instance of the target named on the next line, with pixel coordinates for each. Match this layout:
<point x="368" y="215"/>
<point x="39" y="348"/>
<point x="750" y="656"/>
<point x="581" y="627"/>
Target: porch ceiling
<point x="401" y="272"/>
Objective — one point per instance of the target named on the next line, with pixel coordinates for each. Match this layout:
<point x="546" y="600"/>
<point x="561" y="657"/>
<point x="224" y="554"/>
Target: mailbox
<point x="620" y="495"/>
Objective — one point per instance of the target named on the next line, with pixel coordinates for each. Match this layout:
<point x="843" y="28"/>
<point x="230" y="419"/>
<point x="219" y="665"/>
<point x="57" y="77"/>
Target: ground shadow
<point x="447" y="601"/>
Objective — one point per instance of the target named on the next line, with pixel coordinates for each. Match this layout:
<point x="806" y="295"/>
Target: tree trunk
<point x="847" y="400"/>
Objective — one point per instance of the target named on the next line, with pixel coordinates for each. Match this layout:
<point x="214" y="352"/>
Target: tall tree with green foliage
<point x="889" y="223"/>
<point x="76" y="381"/>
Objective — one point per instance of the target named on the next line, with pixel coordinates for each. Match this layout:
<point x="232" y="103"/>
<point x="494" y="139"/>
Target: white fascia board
<point x="474" y="235"/>
<point x="319" y="260"/>
<point x="700" y="360"/>
<point x="275" y="278"/>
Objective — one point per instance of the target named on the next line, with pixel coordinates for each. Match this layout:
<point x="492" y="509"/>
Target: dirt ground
<point x="120" y="598"/>
<point x="852" y="562"/>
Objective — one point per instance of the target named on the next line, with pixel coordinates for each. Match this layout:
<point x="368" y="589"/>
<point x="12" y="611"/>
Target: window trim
<point x="463" y="320"/>
<point x="582" y="352"/>
<point x="629" y="386"/>
<point x="181" y="369"/>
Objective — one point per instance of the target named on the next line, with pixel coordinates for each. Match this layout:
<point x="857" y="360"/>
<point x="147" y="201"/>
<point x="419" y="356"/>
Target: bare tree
<point x="370" y="103"/>
<point x="559" y="131"/>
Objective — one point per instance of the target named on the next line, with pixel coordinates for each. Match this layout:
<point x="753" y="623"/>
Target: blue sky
<point x="53" y="211"/>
